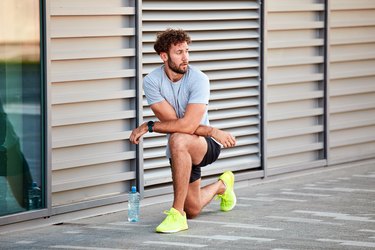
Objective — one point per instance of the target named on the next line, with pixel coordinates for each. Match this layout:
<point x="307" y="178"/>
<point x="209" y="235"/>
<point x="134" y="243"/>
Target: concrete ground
<point x="331" y="208"/>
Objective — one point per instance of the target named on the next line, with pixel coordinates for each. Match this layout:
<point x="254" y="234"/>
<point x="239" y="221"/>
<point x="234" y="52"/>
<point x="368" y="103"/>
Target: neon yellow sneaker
<point x="228" y="198"/>
<point x="173" y="223"/>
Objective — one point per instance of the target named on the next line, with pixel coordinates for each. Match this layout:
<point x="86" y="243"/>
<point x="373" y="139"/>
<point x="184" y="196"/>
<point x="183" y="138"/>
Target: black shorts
<point x="213" y="152"/>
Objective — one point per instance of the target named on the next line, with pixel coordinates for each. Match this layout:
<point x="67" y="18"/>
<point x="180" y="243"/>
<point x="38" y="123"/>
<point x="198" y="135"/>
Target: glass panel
<point x="21" y="164"/>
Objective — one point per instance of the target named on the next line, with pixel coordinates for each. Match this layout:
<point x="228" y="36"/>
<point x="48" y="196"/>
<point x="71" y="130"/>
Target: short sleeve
<point x="200" y="90"/>
<point x="152" y="90"/>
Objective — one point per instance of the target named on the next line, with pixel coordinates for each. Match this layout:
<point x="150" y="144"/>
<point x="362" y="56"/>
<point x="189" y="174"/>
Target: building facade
<point x="293" y="80"/>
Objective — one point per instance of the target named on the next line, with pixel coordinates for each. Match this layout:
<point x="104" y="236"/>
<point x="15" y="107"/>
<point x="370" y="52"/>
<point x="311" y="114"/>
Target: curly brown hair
<point x="166" y="38"/>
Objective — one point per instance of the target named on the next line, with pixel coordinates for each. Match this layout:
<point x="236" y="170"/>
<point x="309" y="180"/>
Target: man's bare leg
<point x="197" y="197"/>
<point x="185" y="151"/>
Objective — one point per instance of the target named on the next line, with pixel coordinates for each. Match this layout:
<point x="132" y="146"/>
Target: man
<point x="178" y="94"/>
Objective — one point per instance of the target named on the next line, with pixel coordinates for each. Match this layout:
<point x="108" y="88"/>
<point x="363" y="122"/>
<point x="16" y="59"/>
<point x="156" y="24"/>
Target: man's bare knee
<point x="178" y="142"/>
<point x="191" y="213"/>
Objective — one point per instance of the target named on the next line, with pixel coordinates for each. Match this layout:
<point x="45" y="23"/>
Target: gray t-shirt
<point x="193" y="87"/>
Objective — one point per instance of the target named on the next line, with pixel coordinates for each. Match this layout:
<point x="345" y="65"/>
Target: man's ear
<point x="164" y="56"/>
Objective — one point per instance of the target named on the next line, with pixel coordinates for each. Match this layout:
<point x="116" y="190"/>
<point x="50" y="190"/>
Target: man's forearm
<point x="182" y="125"/>
<point x="223" y="137"/>
<point x="204" y="130"/>
<point x="170" y="127"/>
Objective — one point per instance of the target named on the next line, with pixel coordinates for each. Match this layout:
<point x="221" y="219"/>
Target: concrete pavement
<point x="330" y="208"/>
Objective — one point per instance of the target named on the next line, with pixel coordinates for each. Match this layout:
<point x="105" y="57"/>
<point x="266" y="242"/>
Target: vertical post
<point x="139" y="95"/>
<point x="326" y="80"/>
<point x="263" y="87"/>
<point x="46" y="41"/>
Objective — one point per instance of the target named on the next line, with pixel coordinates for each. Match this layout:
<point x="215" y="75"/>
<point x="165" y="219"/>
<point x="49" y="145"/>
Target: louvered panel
<point x="352" y="77"/>
<point x="226" y="47"/>
<point x="93" y="96"/>
<point x="294" y="78"/>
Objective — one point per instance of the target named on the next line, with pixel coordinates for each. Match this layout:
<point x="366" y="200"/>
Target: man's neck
<point x="173" y="76"/>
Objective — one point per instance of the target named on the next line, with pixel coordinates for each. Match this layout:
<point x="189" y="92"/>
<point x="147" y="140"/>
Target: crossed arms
<point x="189" y="124"/>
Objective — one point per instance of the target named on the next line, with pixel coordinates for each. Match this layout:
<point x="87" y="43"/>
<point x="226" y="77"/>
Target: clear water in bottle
<point x="34" y="197"/>
<point x="133" y="205"/>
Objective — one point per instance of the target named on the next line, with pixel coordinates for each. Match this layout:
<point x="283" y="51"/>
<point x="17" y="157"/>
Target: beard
<point x="174" y="68"/>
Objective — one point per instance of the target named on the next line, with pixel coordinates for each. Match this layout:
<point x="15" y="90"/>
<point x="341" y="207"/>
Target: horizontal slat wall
<point x="352" y="80"/>
<point x="225" y="46"/>
<point x="294" y="83"/>
<point x="93" y="101"/>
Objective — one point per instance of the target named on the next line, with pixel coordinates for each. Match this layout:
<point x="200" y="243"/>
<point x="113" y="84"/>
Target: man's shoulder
<point x="197" y="74"/>
<point x="154" y="74"/>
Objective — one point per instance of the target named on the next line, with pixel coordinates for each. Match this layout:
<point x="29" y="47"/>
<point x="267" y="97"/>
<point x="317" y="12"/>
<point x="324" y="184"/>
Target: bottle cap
<point x="134" y="189"/>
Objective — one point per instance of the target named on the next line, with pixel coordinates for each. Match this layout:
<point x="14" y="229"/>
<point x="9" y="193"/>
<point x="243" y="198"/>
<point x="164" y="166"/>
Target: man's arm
<point x="169" y="121"/>
<point x="224" y="138"/>
<point x="187" y="124"/>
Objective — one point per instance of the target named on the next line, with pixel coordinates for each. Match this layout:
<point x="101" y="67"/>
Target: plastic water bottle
<point x="133" y="205"/>
<point x="34" y="197"/>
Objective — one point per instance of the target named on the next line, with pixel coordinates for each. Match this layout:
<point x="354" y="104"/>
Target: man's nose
<point x="185" y="57"/>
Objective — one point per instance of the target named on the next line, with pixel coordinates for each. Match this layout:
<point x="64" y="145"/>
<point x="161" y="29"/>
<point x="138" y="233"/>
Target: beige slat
<point x="295" y="44"/>
<point x="295" y="61"/>
<point x="352" y="141"/>
<point x="197" y="26"/>
<point x="89" y="139"/>
<point x="75" y="119"/>
<point x="91" y="11"/>
<point x="275" y="8"/>
<point x="296" y="114"/>
<point x="203" y="16"/>
<point x="294" y="26"/>
<point x="352" y="23"/>
<point x="91" y="75"/>
<point x="352" y="73"/>
<point x="291" y="98"/>
<point x="215" y="35"/>
<point x="282" y="133"/>
<point x="97" y="159"/>
<point x="295" y="150"/>
<point x="353" y="57"/>
<point x="353" y="40"/>
<point x="274" y="80"/>
<point x="352" y="107"/>
<point x="352" y="5"/>
<point x="203" y="5"/>
<point x="353" y="91"/>
<point x="352" y="124"/>
<point x="93" y="181"/>
<point x="87" y="54"/>
<point x="90" y="96"/>
<point x="71" y="33"/>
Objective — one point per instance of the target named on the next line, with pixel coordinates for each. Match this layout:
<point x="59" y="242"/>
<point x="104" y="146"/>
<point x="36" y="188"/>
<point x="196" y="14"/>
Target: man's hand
<point x="137" y="133"/>
<point x="223" y="137"/>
